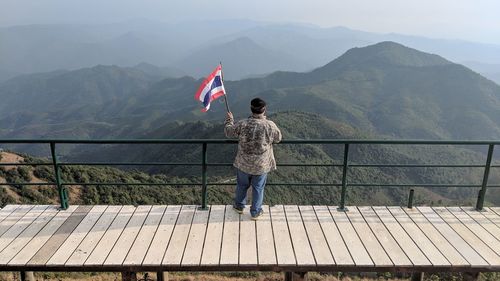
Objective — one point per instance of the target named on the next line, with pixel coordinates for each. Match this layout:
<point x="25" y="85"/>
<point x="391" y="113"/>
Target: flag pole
<point x="225" y="96"/>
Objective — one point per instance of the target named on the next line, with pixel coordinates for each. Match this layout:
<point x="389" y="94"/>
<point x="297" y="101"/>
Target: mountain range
<point x="385" y="89"/>
<point x="248" y="48"/>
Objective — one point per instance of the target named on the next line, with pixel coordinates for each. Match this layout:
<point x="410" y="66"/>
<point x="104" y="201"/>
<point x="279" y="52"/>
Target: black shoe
<point x="256" y="217"/>
<point x="238" y="210"/>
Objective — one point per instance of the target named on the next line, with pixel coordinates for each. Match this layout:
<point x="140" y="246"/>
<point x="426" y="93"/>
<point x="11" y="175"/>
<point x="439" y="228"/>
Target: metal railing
<point x="346" y="165"/>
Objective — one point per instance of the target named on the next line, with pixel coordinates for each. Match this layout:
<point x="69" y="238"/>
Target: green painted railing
<point x="346" y="165"/>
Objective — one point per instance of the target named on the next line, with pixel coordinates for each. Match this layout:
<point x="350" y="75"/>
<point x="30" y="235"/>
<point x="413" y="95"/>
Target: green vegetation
<point x="293" y="125"/>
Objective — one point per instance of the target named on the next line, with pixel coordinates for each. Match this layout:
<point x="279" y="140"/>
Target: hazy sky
<point x="475" y="20"/>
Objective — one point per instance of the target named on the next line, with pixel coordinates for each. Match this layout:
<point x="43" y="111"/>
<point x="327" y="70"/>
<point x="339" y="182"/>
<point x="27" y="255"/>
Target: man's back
<point x="256" y="135"/>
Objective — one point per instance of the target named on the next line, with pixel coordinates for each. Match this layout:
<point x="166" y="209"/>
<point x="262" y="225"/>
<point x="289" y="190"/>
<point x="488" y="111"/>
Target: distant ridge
<point x="390" y="53"/>
<point x="380" y="55"/>
<point x="241" y="57"/>
<point x="386" y="89"/>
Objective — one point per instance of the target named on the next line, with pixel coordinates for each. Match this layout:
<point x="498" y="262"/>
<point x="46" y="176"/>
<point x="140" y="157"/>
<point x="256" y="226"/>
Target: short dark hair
<point x="258" y="106"/>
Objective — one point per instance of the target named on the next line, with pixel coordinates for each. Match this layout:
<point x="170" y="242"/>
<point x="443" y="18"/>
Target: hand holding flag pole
<point x="211" y="89"/>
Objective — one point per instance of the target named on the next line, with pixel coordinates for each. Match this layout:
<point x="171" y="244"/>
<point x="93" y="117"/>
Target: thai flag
<point x="211" y="89"/>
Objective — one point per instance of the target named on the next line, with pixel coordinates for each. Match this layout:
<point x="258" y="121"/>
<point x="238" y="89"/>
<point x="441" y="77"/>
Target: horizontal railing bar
<point x="418" y="165"/>
<point x="411" y="184"/>
<point x="117" y="141"/>
<point x="270" y="184"/>
<point x="126" y="164"/>
<point x="285" y="184"/>
<point x="124" y="184"/>
<point x="25" y="164"/>
<point x="178" y="164"/>
<point x="193" y="184"/>
<point x="27" y="183"/>
<point x="233" y="141"/>
<point x="231" y="164"/>
<point x="285" y="164"/>
<point x="309" y="165"/>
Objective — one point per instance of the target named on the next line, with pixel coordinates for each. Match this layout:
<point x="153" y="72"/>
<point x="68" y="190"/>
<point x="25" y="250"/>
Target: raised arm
<point x="276" y="133"/>
<point x="230" y="129"/>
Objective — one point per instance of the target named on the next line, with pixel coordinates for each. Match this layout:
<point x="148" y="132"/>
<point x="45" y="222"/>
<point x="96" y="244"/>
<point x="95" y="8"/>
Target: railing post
<point x="204" y="190"/>
<point x="63" y="192"/>
<point x="484" y="185"/>
<point x="344" y="179"/>
<point x="410" y="199"/>
<point x="27" y="276"/>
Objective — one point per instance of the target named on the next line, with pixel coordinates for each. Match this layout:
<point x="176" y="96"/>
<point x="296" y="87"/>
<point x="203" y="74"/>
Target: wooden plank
<point x="489" y="255"/>
<point x="300" y="241"/>
<point x="492" y="216"/>
<point x="496" y="210"/>
<point x="83" y="251"/>
<point x="194" y="244"/>
<point x="21" y="225"/>
<point x="177" y="244"/>
<point x="391" y="247"/>
<point x="477" y="229"/>
<point x="319" y="245"/>
<point x="313" y="226"/>
<point x="472" y="257"/>
<point x="7" y="210"/>
<point x="142" y="242"/>
<point x="412" y="250"/>
<point x="352" y="240"/>
<point x="57" y="239"/>
<point x="10" y="220"/>
<point x="213" y="238"/>
<point x="162" y="237"/>
<point x="248" y="240"/>
<point x="109" y="239"/>
<point x="15" y="246"/>
<point x="483" y="220"/>
<point x="42" y="237"/>
<point x="425" y="245"/>
<point x="334" y="239"/>
<point x="127" y="238"/>
<point x="69" y="246"/>
<point x="446" y="248"/>
<point x="265" y="241"/>
<point x="284" y="249"/>
<point x="230" y="237"/>
<point x="372" y="245"/>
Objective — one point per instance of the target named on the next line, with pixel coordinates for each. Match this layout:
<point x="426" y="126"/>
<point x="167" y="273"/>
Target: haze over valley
<point x="246" y="48"/>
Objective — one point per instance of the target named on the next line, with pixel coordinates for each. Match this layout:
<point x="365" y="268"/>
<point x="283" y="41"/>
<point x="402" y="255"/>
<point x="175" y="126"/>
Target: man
<point x="255" y="157"/>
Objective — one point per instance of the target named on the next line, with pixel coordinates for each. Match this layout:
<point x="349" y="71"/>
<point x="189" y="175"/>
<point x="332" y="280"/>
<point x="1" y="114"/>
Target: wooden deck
<point x="286" y="238"/>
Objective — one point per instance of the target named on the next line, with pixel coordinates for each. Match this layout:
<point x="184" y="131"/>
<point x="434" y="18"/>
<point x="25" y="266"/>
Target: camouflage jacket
<point x="256" y="136"/>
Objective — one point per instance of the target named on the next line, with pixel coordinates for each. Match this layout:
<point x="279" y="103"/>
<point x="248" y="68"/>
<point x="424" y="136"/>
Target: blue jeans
<point x="243" y="182"/>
